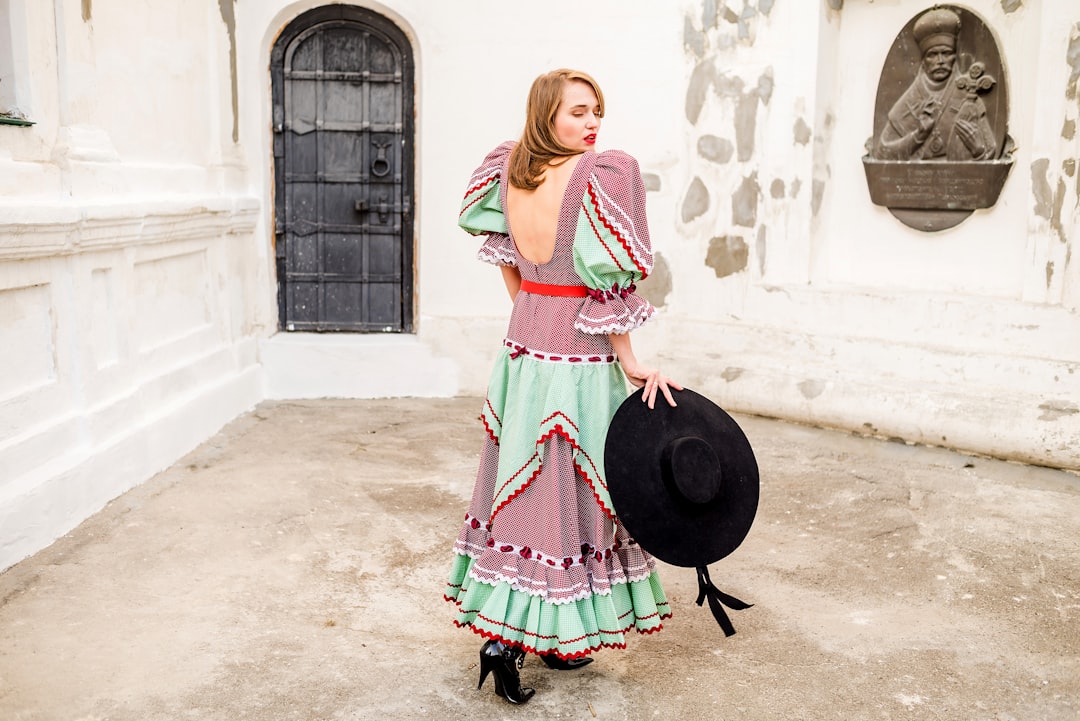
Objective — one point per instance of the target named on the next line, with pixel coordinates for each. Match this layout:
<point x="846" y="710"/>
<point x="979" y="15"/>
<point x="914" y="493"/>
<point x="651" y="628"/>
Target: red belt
<point x="566" y="291"/>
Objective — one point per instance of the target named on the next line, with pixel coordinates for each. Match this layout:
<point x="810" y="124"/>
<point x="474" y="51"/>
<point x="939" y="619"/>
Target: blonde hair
<point x="539" y="144"/>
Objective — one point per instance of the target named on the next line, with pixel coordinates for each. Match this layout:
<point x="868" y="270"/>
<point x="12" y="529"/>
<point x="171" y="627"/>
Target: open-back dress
<point x="541" y="562"/>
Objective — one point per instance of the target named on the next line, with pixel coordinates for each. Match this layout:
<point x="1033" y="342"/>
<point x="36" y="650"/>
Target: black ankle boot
<point x="564" y="664"/>
<point x="505" y="662"/>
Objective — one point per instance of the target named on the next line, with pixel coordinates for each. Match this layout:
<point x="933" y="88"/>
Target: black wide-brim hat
<point x="684" y="483"/>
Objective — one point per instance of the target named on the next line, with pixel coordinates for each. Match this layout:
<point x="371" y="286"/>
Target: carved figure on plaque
<point x="940" y="115"/>
<point x="940" y="149"/>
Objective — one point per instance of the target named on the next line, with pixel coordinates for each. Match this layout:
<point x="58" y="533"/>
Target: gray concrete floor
<point x="291" y="568"/>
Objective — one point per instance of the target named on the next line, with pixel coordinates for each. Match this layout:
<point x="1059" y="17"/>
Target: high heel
<point x="505" y="662"/>
<point x="565" y="664"/>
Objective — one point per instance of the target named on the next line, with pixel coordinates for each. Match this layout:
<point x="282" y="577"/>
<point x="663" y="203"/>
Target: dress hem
<point x="564" y="656"/>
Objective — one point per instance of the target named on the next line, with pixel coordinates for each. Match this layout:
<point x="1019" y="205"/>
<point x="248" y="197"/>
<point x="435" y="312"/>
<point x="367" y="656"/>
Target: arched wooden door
<point x="342" y="80"/>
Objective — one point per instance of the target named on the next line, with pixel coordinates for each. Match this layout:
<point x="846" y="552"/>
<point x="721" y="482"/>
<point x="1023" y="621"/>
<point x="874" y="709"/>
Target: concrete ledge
<point x="999" y="405"/>
<point x="322" y="365"/>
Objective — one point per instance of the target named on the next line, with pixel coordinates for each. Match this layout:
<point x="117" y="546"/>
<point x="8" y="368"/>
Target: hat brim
<point x="664" y="524"/>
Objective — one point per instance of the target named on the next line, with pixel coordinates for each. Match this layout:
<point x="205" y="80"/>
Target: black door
<point x="343" y="135"/>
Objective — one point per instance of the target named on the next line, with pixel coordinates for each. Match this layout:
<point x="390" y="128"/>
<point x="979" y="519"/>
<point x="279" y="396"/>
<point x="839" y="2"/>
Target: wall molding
<point x="32" y="229"/>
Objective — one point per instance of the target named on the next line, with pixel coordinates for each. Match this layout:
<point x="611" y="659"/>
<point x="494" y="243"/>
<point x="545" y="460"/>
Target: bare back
<point x="533" y="215"/>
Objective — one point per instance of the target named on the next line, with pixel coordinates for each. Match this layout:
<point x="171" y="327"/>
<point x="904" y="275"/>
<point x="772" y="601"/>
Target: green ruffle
<point x="481" y="209"/>
<point x="569" y="629"/>
<point x="545" y="399"/>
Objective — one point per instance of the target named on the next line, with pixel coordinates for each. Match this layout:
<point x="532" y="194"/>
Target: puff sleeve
<point x="482" y="212"/>
<point x="611" y="246"/>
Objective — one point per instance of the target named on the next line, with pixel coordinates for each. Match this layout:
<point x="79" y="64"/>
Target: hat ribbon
<point x="717" y="600"/>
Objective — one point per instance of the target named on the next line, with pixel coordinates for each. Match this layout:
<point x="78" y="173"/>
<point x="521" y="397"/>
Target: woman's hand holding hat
<point x="651" y="379"/>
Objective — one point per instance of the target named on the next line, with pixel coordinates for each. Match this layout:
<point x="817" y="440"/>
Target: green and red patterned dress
<point x="541" y="562"/>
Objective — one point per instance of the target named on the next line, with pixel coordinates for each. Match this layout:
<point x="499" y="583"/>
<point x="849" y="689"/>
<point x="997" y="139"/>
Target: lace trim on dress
<point x="588" y="552"/>
<point x="518" y="350"/>
<point x="469" y="549"/>
<point x="498" y="249"/>
<point x="617" y="316"/>
<point x="588" y="589"/>
<point x="609" y="213"/>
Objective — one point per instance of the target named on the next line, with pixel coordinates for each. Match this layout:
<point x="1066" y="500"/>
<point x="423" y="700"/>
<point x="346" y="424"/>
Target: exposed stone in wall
<point x="652" y="182"/>
<point x="697" y="89"/>
<point x="727" y="255"/>
<point x="733" y="96"/>
<point x="1072" y="57"/>
<point x="693" y="39"/>
<point x="744" y="202"/>
<point x="1055" y="214"/>
<point x="818" y="195"/>
<point x="728" y="86"/>
<point x="657" y="286"/>
<point x="1010" y="6"/>
<point x="87" y="10"/>
<point x="745" y="20"/>
<point x="228" y="16"/>
<point x="812" y="388"/>
<point x="760" y="248"/>
<point x="1072" y="91"/>
<point x="801" y="132"/>
<point x="696" y="201"/>
<point x="1053" y="410"/>
<point x="745" y="126"/>
<point x="1049" y="203"/>
<point x="708" y="14"/>
<point x="1040" y="187"/>
<point x="765" y="85"/>
<point x="822" y="171"/>
<point x="716" y="149"/>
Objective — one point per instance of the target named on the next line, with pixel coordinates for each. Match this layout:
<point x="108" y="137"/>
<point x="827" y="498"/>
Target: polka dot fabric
<point x="541" y="561"/>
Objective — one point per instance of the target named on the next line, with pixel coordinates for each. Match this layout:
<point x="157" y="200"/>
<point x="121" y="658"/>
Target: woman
<point x="541" y="562"/>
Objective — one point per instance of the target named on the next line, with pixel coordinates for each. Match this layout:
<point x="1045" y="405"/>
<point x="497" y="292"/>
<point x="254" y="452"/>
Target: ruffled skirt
<point x="548" y="569"/>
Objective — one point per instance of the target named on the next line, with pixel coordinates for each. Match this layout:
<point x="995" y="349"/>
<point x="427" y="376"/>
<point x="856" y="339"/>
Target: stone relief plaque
<point x="940" y="148"/>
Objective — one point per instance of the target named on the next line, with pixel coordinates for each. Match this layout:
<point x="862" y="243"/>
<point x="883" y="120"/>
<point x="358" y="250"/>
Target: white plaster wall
<point x="475" y="60"/>
<point x="128" y="264"/>
<point x="842" y="315"/>
<point x="845" y="317"/>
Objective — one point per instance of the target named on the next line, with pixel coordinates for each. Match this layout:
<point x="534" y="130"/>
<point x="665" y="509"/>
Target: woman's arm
<point x="640" y="375"/>
<point x="512" y="278"/>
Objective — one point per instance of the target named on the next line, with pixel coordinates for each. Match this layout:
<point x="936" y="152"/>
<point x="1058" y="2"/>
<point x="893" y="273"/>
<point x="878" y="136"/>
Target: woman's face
<point x="577" y="120"/>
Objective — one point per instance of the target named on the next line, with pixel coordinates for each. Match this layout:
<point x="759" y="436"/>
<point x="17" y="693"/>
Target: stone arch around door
<point x="342" y="85"/>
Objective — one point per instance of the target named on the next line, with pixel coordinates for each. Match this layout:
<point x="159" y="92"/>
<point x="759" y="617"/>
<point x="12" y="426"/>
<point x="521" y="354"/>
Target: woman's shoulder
<point x="616" y="174"/>
<point x="488" y="174"/>
<point x="616" y="161"/>
<point x="499" y="154"/>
